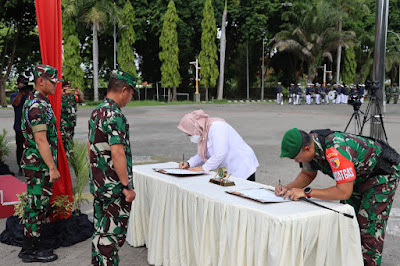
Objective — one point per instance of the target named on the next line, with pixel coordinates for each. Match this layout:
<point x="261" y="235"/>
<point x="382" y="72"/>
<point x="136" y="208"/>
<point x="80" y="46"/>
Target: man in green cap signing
<point x="39" y="162"/>
<point x="111" y="169"/>
<point x="366" y="172"/>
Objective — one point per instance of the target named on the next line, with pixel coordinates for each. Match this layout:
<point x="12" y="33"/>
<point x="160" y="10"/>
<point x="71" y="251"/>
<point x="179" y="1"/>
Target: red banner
<point x="49" y="21"/>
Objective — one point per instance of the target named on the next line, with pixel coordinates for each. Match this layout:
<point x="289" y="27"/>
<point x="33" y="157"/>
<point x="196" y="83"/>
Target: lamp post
<point x="325" y="72"/>
<point x="196" y="65"/>
<point x="115" y="43"/>
<point x="399" y="51"/>
<point x="262" y="72"/>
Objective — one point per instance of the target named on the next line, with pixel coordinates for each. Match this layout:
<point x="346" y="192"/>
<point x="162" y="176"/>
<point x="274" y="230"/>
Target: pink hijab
<point x="198" y="123"/>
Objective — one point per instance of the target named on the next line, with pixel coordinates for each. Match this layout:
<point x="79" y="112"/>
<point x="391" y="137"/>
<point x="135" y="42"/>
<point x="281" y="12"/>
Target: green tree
<point x="69" y="18"/>
<point x="255" y="21"/>
<point x="126" y="57"/>
<point x="96" y="14"/>
<point x="17" y="22"/>
<point x="345" y="8"/>
<point x="310" y="32"/>
<point x="169" y="54"/>
<point x="72" y="63"/>
<point x="349" y="66"/>
<point x="72" y="58"/>
<point x="208" y="55"/>
<point x="392" y="61"/>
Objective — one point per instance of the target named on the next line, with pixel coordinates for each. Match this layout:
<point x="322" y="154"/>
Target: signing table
<point x="190" y="221"/>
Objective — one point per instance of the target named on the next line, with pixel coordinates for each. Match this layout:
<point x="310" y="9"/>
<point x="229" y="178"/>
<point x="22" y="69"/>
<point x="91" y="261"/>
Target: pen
<point x="280" y="186"/>
<point x="183" y="160"/>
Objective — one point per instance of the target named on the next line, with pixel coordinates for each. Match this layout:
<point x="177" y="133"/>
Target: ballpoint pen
<point x="280" y="186"/>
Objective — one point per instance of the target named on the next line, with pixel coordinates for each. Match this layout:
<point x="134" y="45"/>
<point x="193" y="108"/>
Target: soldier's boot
<point x="40" y="253"/>
<point x="27" y="248"/>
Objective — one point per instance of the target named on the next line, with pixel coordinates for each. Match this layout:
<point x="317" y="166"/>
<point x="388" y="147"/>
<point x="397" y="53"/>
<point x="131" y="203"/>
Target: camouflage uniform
<point x="373" y="193"/>
<point x="37" y="115"/>
<point x="68" y="120"/>
<point x="388" y="93"/>
<point x="395" y="94"/>
<point x="108" y="126"/>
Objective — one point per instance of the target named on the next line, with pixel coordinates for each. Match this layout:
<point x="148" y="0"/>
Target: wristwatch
<point x="307" y="191"/>
<point x="128" y="187"/>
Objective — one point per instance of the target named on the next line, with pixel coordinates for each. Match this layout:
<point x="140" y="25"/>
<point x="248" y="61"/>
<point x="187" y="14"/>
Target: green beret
<point x="46" y="71"/>
<point x="128" y="78"/>
<point x="291" y="143"/>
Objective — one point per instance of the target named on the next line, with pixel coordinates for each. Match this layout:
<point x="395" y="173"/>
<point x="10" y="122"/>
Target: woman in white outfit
<point x="218" y="144"/>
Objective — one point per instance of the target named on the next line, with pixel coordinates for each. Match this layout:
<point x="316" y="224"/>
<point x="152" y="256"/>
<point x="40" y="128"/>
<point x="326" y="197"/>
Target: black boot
<point x="27" y="248"/>
<point x="40" y="253"/>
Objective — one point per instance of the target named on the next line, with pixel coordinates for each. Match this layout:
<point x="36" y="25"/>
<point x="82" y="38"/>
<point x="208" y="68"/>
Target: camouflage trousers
<point x="111" y="217"/>
<point x="38" y="207"/>
<point x="373" y="207"/>
<point x="67" y="136"/>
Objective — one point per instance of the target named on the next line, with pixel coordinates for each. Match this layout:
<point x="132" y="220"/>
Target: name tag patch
<point x="344" y="174"/>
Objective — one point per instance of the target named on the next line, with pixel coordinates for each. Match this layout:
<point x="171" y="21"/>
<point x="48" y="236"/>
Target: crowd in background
<point x="336" y="94"/>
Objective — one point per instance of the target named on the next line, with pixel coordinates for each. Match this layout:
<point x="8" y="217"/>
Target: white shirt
<point x="226" y="148"/>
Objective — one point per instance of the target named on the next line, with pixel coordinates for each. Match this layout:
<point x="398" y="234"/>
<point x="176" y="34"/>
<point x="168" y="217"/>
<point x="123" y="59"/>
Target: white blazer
<point x="226" y="148"/>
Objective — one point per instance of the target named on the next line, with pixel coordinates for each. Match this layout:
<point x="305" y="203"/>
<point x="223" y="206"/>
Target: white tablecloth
<point x="190" y="221"/>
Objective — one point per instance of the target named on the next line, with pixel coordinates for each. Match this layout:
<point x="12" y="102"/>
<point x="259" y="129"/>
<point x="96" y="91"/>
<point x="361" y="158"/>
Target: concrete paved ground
<point x="155" y="138"/>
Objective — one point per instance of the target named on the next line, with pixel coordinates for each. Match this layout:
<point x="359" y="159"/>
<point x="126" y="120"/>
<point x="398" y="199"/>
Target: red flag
<point x="49" y="21"/>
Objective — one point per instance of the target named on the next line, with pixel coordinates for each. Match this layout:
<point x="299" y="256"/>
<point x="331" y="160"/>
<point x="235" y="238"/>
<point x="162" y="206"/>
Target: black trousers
<point x="19" y="139"/>
<point x="252" y="177"/>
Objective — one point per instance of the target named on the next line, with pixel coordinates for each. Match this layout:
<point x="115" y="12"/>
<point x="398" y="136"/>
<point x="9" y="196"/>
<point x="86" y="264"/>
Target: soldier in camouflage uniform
<point x="111" y="169"/>
<point x="366" y="172"/>
<point x="395" y="93"/>
<point x="388" y="93"/>
<point x="39" y="162"/>
<point x="69" y="109"/>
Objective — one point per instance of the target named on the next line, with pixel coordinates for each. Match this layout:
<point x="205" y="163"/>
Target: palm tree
<point x="311" y="34"/>
<point x="96" y="13"/>
<point x="345" y="7"/>
<point x="366" y="57"/>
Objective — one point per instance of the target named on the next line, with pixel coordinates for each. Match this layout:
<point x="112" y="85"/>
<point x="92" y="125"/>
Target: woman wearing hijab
<point x="218" y="145"/>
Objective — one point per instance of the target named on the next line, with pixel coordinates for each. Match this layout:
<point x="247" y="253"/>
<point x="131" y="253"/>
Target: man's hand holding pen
<point x="281" y="190"/>
<point x="293" y="194"/>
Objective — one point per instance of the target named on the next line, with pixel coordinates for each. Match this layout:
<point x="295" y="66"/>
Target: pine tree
<point x="169" y="55"/>
<point x="126" y="57"/>
<point x="208" y="55"/>
<point x="72" y="62"/>
<point x="349" y="66"/>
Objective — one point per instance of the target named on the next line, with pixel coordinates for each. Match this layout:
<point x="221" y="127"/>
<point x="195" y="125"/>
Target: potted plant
<point x="79" y="161"/>
<point x="62" y="232"/>
<point x="4" y="151"/>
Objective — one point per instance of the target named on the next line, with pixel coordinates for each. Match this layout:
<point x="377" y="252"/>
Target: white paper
<point x="259" y="194"/>
<point x="177" y="171"/>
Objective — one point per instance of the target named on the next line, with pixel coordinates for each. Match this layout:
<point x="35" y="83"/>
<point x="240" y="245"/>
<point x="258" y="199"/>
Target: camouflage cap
<point x="128" y="78"/>
<point x="48" y="72"/>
